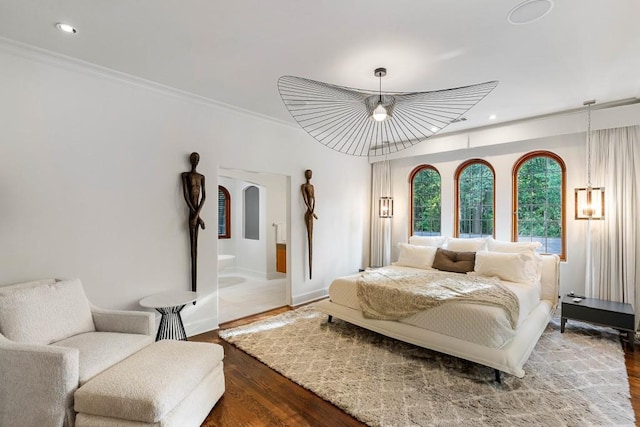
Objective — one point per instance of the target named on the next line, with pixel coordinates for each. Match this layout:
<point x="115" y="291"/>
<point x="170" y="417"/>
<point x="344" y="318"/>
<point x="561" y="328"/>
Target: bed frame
<point x="510" y="358"/>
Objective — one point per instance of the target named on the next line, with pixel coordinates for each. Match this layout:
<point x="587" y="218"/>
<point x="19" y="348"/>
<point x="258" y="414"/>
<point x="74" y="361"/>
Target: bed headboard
<point x="550" y="278"/>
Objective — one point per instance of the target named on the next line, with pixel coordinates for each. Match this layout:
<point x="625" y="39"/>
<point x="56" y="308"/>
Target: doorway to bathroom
<point x="253" y="218"/>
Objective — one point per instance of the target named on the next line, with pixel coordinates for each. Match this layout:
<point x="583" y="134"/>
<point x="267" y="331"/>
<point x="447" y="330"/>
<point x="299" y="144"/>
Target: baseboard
<point x="309" y="297"/>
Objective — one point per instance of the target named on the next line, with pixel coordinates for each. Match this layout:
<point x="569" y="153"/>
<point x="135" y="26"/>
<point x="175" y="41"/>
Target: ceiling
<point x="235" y="51"/>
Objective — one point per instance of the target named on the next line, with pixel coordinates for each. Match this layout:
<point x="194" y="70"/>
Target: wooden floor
<point x="258" y="396"/>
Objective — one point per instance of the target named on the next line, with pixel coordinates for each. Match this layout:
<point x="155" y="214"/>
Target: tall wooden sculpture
<point x="195" y="195"/>
<point x="310" y="201"/>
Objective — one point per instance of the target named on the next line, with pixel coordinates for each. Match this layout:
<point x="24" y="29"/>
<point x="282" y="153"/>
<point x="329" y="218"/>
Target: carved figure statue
<point x="195" y="195"/>
<point x="310" y="201"/>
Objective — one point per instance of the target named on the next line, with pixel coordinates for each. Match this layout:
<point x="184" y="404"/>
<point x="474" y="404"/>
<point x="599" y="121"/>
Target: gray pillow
<point x="455" y="262"/>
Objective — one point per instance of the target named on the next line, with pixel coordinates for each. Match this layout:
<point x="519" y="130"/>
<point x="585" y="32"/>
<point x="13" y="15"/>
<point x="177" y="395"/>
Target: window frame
<point x="412" y="176"/>
<point x="227" y="209"/>
<point x="563" y="187"/>
<point x="456" y="200"/>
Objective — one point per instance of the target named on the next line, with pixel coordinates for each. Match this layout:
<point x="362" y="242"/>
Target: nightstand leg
<point x="563" y="320"/>
<point x="631" y="336"/>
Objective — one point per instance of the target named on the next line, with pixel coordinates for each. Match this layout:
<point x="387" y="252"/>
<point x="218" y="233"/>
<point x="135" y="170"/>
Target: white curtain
<point x="380" y="227"/>
<point x="613" y="267"/>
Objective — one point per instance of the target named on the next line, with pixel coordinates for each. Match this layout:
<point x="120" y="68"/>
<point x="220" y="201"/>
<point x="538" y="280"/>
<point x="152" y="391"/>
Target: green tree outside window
<point x="426" y="200"/>
<point x="475" y="201"/>
<point x="539" y="178"/>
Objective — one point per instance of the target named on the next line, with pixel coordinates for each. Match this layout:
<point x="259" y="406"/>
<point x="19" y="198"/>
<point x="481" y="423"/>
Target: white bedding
<point x="481" y="324"/>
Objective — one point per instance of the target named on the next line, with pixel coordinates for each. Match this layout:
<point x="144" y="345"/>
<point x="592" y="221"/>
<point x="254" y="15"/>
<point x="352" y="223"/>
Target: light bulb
<point x="588" y="210"/>
<point x="380" y="113"/>
<point x="66" y="28"/>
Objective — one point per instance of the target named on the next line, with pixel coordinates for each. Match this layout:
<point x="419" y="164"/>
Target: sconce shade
<point x="386" y="207"/>
<point x="590" y="203"/>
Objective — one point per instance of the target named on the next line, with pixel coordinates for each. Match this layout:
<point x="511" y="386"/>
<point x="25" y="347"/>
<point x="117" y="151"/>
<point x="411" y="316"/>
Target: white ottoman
<point x="168" y="383"/>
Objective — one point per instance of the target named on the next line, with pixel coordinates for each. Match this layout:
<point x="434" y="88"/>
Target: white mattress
<point x="481" y="324"/>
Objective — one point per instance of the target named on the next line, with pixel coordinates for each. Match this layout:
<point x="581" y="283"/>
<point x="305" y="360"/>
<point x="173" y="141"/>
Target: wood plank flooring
<point x="632" y="361"/>
<point x="257" y="396"/>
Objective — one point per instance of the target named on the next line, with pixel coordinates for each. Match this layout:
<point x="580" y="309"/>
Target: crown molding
<point x="69" y="63"/>
<point x="619" y="113"/>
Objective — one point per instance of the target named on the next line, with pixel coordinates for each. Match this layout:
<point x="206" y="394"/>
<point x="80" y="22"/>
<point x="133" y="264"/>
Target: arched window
<point x="538" y="201"/>
<point x="252" y="213"/>
<point x="425" y="201"/>
<point x="474" y="199"/>
<point x="224" y="213"/>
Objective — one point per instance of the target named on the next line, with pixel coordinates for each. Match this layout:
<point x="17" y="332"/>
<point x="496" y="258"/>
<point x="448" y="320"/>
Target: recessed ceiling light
<point x="66" y="28"/>
<point x="492" y="117"/>
<point x="529" y="11"/>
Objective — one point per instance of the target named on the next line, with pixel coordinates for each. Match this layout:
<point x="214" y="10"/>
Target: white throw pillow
<point x="512" y="247"/>
<point x="466" y="245"/>
<point x="519" y="248"/>
<point x="435" y="241"/>
<point x="44" y="313"/>
<point x="513" y="267"/>
<point x="416" y="256"/>
<point x="34" y="283"/>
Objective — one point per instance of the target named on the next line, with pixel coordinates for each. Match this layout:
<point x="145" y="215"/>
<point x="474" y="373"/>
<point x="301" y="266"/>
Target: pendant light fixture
<point x="381" y="183"/>
<point x="386" y="207"/>
<point x="362" y="122"/>
<point x="589" y="200"/>
<point x="380" y="112"/>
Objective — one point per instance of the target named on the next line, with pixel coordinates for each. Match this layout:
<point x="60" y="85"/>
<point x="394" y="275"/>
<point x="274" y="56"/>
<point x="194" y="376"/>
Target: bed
<point x="475" y="332"/>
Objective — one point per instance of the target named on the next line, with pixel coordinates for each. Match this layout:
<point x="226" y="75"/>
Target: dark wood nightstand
<point x="615" y="315"/>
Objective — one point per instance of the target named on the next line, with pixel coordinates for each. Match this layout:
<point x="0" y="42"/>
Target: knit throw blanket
<point x="388" y="294"/>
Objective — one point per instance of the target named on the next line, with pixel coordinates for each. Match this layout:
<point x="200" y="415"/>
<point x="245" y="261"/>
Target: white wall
<point x="502" y="146"/>
<point x="89" y="183"/>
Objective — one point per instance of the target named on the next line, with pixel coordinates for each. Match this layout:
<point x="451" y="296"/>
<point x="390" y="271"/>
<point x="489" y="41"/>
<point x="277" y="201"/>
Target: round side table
<point x="169" y="305"/>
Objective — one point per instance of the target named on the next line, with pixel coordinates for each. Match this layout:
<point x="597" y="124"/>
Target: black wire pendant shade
<point x="344" y="119"/>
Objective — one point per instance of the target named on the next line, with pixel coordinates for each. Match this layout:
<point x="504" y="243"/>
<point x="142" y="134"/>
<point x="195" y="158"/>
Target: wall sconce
<point x="386" y="207"/>
<point x="589" y="200"/>
<point x="590" y="203"/>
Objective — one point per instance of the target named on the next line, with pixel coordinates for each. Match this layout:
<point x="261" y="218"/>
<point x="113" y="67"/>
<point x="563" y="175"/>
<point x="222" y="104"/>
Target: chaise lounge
<point x="64" y="362"/>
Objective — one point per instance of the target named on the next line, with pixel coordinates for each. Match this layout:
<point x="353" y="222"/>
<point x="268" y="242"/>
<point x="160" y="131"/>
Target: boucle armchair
<point x="52" y="341"/>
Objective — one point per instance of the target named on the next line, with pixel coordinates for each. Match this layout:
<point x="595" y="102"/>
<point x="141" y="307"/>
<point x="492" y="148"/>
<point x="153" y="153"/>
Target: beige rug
<point x="573" y="379"/>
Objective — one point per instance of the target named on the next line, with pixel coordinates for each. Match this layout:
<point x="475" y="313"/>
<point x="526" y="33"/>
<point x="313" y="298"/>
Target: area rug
<point x="573" y="379"/>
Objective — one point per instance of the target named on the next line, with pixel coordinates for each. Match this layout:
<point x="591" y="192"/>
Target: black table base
<point x="171" y="327"/>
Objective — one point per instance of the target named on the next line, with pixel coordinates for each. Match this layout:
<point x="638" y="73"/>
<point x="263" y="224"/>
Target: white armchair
<point x="52" y="340"/>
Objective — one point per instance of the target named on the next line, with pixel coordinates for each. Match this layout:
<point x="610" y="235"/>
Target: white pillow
<point x="512" y="247"/>
<point x="435" y="241"/>
<point x="44" y="313"/>
<point x="513" y="267"/>
<point x="519" y="248"/>
<point x="416" y="256"/>
<point x="466" y="245"/>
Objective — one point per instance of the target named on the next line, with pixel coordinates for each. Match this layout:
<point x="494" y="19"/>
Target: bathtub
<point x="225" y="261"/>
